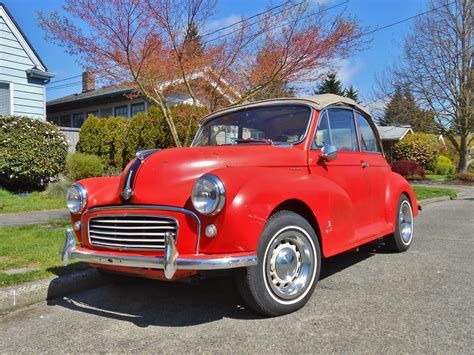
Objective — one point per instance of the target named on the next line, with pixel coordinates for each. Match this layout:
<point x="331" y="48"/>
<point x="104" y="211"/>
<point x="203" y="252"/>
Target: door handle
<point x="364" y="164"/>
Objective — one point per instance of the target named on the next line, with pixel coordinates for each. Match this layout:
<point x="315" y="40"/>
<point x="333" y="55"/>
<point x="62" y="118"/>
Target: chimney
<point x="88" y="82"/>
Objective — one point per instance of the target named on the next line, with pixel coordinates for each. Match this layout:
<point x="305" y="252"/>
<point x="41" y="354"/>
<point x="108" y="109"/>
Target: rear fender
<point x="396" y="186"/>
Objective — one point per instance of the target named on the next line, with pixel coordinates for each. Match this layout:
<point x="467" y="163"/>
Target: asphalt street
<point x="366" y="301"/>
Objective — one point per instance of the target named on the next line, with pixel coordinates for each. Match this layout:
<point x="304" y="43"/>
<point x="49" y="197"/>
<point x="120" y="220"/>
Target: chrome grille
<point x="144" y="232"/>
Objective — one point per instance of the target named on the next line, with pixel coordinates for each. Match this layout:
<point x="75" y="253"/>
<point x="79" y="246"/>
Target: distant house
<point x="389" y="135"/>
<point x="69" y="112"/>
<point x="23" y="74"/>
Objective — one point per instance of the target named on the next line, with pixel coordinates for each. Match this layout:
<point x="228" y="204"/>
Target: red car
<point x="267" y="189"/>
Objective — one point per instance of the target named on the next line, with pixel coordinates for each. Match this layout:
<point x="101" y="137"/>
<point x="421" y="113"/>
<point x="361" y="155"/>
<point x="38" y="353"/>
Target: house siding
<point x="28" y="93"/>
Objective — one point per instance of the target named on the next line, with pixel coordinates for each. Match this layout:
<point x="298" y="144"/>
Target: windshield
<point x="267" y="124"/>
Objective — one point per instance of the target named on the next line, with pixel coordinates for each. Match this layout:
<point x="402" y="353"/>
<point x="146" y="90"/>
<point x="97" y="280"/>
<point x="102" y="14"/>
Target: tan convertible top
<point x="325" y="100"/>
<point x="319" y="101"/>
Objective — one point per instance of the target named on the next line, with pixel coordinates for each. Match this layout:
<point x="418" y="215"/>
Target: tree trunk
<point x="463" y="155"/>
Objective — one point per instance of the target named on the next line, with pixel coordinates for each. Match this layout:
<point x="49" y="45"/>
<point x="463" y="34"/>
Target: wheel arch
<point x="300" y="207"/>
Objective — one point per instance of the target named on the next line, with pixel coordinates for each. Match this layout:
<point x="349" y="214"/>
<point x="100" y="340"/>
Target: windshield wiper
<point x="253" y="141"/>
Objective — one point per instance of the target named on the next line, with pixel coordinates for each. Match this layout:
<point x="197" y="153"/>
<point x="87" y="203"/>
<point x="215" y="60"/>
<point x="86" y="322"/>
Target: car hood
<point x="167" y="176"/>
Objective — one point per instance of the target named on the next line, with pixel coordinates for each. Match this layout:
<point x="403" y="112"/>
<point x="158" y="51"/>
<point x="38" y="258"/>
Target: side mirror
<point x="329" y="153"/>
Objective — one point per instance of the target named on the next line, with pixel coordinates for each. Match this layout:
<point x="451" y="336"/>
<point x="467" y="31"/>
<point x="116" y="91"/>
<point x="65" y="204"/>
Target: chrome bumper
<point x="170" y="262"/>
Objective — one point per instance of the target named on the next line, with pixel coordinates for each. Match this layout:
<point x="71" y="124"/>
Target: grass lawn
<point x="36" y="201"/>
<point x="439" y="177"/>
<point x="424" y="192"/>
<point x="33" y="246"/>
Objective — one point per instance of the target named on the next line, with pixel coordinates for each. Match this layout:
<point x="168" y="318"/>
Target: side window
<point x="322" y="132"/>
<point x="343" y="130"/>
<point x="367" y="135"/>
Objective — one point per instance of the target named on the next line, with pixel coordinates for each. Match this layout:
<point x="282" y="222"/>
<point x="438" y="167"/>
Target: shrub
<point x="115" y="140"/>
<point x="56" y="189"/>
<point x="32" y="152"/>
<point x="408" y="168"/>
<point x="444" y="166"/>
<point x="420" y="147"/>
<point x="465" y="177"/>
<point x="81" y="166"/>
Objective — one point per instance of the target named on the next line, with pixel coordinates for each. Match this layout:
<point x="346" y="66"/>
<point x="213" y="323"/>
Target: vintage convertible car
<point x="267" y="189"/>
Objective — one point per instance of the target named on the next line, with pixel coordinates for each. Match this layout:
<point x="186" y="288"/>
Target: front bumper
<point x="169" y="262"/>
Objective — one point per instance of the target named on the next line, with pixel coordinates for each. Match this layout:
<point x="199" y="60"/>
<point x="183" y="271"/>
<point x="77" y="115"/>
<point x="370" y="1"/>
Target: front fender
<point x="253" y="193"/>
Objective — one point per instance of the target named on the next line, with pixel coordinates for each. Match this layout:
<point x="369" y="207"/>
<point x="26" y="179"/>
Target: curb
<point x="14" y="297"/>
<point x="429" y="201"/>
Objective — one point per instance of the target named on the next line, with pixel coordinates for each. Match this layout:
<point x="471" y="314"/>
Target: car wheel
<point x="402" y="238"/>
<point x="289" y="261"/>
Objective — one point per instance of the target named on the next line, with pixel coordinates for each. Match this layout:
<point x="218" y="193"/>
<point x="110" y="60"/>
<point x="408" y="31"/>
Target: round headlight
<point x="76" y="198"/>
<point x="208" y="195"/>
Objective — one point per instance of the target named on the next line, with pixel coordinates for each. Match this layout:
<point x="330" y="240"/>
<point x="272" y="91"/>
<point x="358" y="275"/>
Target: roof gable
<point x="21" y="38"/>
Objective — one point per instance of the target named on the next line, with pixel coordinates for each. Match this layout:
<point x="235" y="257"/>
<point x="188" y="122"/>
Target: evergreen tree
<point x="402" y="109"/>
<point x="352" y="93"/>
<point x="330" y="85"/>
<point x="193" y="40"/>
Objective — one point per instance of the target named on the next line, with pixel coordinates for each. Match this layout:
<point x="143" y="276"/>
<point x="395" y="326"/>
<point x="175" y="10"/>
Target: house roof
<point x="108" y="91"/>
<point x="30" y="50"/>
<point x="395" y="133"/>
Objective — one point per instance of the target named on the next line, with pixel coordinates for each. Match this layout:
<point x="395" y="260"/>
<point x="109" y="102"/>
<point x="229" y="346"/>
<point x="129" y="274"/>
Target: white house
<point x="23" y="74"/>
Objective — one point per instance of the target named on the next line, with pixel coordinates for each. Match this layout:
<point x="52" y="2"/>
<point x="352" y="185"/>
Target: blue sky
<point x="360" y="70"/>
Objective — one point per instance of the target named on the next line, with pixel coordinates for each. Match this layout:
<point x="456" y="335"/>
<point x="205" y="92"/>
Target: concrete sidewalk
<point x="28" y="218"/>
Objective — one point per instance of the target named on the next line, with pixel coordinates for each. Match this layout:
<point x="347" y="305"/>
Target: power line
<point x="65" y="79"/>
<point x="270" y="16"/>
<point x="407" y="19"/>
<point x="62" y="86"/>
<point x="248" y="18"/>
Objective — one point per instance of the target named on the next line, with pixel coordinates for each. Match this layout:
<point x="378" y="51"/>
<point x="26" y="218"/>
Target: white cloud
<point x="222" y="22"/>
<point x="347" y="70"/>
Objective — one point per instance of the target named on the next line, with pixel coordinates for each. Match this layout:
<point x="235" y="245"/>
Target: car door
<point x="336" y="126"/>
<point x="377" y="170"/>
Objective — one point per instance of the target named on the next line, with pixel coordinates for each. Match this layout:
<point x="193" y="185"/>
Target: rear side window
<point x="343" y="130"/>
<point x="368" y="141"/>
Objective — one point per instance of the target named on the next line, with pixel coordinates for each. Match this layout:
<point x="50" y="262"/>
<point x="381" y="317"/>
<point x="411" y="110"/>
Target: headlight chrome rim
<point x="220" y="193"/>
<point x="83" y="198"/>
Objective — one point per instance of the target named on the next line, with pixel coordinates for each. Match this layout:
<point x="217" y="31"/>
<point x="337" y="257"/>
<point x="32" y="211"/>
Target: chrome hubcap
<point x="289" y="264"/>
<point x="405" y="220"/>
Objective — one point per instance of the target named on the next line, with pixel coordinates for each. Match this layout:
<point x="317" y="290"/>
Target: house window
<point x="106" y="112"/>
<point x="136" y="108"/>
<point x="53" y="120"/>
<point x="95" y="113"/>
<point x="5" y="99"/>
<point x="77" y="120"/>
<point x="65" y="121"/>
<point x="121" y="111"/>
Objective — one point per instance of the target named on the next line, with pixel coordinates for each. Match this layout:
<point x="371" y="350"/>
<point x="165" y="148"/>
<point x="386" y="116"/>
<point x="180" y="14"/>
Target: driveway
<point x="366" y="301"/>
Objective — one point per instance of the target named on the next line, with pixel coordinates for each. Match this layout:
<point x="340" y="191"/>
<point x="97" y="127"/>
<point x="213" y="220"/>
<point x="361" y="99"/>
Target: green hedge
<point x="444" y="166"/>
<point x="421" y="147"/>
<point x="116" y="139"/>
<point x="32" y="153"/>
<point x="81" y="166"/>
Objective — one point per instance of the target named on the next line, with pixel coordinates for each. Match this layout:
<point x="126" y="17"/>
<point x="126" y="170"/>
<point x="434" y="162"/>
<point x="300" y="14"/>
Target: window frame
<point x="12" y="96"/>
<point x="136" y="104"/>
<point x="75" y="116"/>
<point x="354" y="111"/>
<point x="121" y="107"/>
<point x="375" y="131"/>
<point x="312" y="112"/>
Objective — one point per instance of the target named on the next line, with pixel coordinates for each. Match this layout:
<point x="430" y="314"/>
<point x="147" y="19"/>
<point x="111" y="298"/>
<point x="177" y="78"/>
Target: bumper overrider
<point x="170" y="262"/>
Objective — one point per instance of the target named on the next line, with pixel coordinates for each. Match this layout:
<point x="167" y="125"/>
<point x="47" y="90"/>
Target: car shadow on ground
<point x="176" y="304"/>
